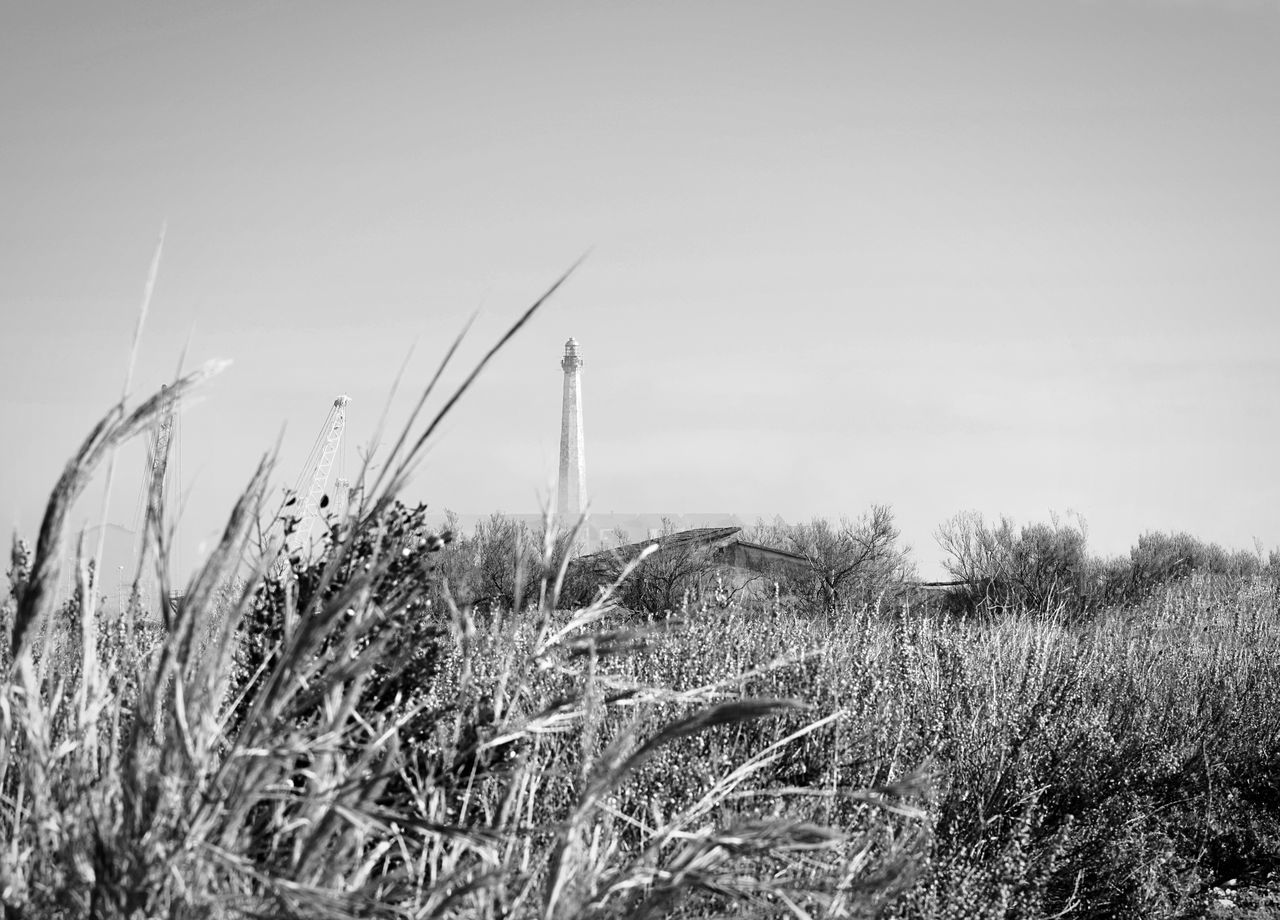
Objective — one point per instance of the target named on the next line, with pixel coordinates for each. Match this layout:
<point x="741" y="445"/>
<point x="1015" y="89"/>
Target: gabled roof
<point x="698" y="538"/>
<point x="758" y="552"/>
<point x="722" y="545"/>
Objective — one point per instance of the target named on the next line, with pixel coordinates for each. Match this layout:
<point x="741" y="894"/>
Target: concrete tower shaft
<point x="572" y="489"/>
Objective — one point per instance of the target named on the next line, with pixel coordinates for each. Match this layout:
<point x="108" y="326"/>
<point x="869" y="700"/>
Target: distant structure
<point x="604" y="530"/>
<point x="721" y="545"/>
<point x="703" y="556"/>
<point x="572" y="488"/>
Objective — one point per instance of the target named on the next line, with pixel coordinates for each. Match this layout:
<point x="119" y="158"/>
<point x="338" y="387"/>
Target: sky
<point x="1018" y="258"/>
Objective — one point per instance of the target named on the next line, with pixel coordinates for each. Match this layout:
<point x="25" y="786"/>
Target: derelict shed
<point x="710" y="546"/>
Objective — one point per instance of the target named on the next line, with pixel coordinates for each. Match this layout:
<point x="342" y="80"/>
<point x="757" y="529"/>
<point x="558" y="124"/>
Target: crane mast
<point x="343" y="498"/>
<point x="323" y="455"/>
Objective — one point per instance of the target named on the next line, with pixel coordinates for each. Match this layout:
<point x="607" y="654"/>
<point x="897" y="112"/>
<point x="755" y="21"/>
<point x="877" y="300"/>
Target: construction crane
<point x="315" y="473"/>
<point x="342" y="486"/>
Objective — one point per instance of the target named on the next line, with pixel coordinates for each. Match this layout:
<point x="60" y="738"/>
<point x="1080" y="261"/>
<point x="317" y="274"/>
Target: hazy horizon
<point x="1018" y="258"/>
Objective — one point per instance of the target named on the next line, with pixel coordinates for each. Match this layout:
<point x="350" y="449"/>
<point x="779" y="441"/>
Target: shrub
<point x="1004" y="567"/>
<point x="1160" y="557"/>
<point x="855" y="562"/>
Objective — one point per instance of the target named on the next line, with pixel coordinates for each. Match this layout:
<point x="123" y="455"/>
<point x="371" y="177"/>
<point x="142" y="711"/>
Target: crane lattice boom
<point x="324" y="453"/>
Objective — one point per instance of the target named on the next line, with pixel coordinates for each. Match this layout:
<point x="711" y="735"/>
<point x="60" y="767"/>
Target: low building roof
<point x="724" y="544"/>
<point x="697" y="538"/>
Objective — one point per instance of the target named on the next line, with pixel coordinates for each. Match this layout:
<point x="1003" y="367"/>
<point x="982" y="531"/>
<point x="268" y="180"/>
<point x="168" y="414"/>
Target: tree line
<point x="847" y="563"/>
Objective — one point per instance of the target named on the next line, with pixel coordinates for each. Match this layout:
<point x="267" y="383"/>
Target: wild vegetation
<point x="412" y="724"/>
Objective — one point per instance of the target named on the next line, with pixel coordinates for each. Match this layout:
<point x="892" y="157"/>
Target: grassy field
<point x="1017" y="767"/>
<point x="331" y="737"/>
<point x="368" y="754"/>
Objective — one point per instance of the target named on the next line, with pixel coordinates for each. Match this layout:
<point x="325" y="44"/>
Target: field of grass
<point x="1012" y="768"/>
<point x="333" y="738"/>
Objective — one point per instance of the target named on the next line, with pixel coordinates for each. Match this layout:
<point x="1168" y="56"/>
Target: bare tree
<point x="854" y="561"/>
<point x="1003" y="566"/>
<point x="503" y="553"/>
<point x="663" y="580"/>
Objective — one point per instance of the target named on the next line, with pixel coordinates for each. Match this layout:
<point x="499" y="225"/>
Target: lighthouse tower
<point x="572" y="490"/>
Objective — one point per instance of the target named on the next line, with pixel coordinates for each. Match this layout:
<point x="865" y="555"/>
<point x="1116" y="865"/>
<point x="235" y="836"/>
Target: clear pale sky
<point x="1011" y="257"/>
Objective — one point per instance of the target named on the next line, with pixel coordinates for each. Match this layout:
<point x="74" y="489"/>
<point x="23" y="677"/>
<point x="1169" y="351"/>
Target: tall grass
<point x="334" y="737"/>
<point x="374" y="755"/>
<point x="1126" y="767"/>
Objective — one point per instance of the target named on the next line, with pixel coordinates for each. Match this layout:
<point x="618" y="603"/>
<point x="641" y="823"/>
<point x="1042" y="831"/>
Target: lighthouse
<point x="572" y="490"/>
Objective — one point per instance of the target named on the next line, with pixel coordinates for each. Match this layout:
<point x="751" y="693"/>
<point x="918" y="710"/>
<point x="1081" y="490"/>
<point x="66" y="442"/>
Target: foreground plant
<point x="373" y="754"/>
